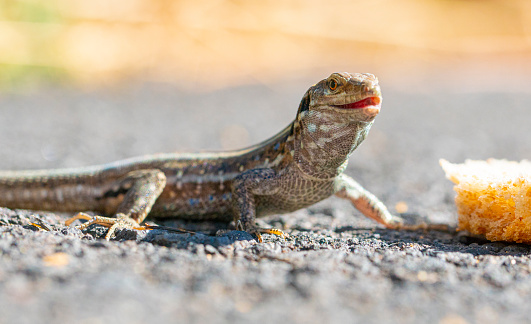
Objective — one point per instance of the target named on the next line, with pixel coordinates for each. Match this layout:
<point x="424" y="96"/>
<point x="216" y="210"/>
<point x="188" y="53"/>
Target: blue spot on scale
<point x="277" y="146"/>
<point x="210" y="197"/>
<point x="193" y="201"/>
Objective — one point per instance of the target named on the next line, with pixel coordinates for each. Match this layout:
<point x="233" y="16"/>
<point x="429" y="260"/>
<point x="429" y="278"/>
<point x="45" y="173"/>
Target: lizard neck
<point x="324" y="140"/>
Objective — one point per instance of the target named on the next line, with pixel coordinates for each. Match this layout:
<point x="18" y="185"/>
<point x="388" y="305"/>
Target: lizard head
<point x="355" y="97"/>
<point x="334" y="117"/>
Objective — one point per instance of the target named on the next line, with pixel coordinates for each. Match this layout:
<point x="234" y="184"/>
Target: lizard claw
<point x="120" y="222"/>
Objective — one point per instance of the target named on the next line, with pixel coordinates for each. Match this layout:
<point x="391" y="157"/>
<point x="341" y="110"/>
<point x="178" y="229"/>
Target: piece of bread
<point x="493" y="198"/>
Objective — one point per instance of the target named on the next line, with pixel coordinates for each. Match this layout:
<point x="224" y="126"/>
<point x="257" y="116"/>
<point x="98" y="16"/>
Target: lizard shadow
<point x="183" y="233"/>
<point x="434" y="242"/>
<point x="184" y="240"/>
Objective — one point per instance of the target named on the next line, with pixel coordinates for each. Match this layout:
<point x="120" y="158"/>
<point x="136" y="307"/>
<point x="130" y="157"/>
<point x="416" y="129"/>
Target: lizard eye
<point x="332" y="84"/>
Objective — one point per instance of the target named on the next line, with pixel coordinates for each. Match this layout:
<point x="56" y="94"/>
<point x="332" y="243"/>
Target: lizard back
<point x="198" y="185"/>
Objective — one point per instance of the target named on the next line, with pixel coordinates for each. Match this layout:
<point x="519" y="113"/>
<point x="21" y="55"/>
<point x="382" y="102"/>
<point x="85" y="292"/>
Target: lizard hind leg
<point x="142" y="188"/>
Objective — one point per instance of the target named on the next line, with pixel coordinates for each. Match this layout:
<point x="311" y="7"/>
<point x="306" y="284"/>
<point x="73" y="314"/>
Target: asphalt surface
<point x="337" y="266"/>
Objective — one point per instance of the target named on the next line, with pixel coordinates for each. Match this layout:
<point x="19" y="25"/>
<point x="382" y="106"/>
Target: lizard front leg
<point x="139" y="189"/>
<point x="244" y="189"/>
<point x="373" y="208"/>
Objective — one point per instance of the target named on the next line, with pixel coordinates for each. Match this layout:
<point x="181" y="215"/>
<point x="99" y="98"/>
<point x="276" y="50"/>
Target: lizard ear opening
<point x="303" y="106"/>
<point x="305" y="103"/>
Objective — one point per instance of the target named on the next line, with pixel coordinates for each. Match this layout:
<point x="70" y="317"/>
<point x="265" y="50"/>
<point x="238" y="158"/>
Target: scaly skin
<point x="301" y="165"/>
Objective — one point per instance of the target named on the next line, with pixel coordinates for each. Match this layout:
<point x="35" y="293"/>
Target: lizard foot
<point x="120" y="222"/>
<point x="257" y="231"/>
<point x="275" y="231"/>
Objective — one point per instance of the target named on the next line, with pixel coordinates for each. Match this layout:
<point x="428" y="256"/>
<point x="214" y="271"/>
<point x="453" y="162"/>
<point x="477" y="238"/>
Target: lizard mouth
<point x="364" y="103"/>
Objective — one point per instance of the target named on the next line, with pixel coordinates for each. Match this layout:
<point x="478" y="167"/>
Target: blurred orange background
<point x="202" y="45"/>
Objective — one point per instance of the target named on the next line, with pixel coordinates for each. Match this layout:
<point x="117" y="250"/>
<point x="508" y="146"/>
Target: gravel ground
<point x="337" y="266"/>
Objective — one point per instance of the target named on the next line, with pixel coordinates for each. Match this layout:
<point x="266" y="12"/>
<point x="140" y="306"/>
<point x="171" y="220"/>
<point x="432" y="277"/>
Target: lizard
<point x="300" y="166"/>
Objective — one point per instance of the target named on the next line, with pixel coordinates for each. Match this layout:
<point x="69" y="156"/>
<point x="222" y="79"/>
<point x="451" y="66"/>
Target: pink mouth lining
<point x="367" y="102"/>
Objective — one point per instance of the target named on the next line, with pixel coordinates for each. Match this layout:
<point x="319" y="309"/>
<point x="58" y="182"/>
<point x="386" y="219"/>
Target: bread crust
<point x="493" y="198"/>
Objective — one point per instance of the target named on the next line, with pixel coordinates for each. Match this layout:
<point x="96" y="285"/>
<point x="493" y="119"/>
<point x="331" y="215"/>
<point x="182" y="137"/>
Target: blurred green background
<point x="203" y="45"/>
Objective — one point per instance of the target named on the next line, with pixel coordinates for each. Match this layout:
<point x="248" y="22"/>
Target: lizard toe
<point x="274" y="231"/>
<point x="259" y="231"/>
<point x="417" y="222"/>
